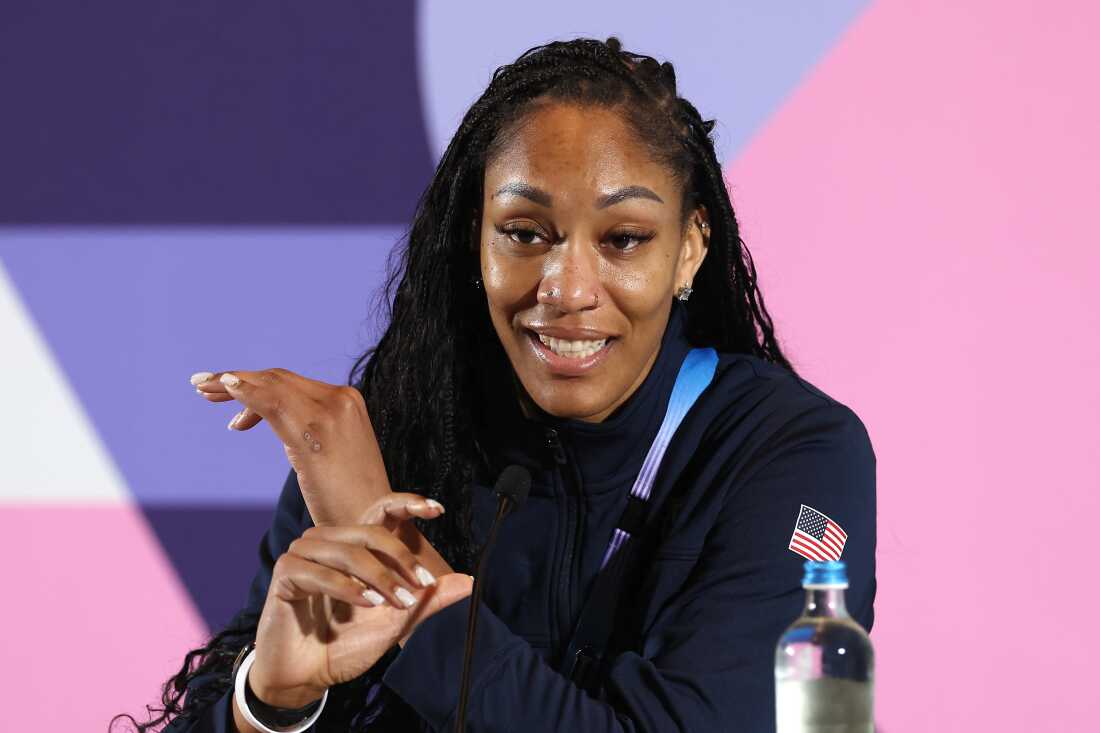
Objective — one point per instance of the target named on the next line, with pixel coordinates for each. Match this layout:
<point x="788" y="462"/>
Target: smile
<point x="572" y="349"/>
<point x="570" y="357"/>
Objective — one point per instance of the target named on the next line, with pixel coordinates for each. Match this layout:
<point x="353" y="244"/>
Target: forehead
<point x="568" y="147"/>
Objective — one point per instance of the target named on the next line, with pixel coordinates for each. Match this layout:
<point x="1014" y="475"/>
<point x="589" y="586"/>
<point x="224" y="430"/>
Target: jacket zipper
<point x="565" y="570"/>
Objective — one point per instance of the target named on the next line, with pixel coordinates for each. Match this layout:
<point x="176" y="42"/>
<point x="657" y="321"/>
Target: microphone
<point x="511" y="488"/>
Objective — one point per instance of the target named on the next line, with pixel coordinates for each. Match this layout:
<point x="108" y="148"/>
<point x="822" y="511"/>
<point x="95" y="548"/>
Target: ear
<point x="693" y="248"/>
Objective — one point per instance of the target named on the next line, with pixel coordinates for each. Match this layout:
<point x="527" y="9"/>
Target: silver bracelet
<point x="239" y="682"/>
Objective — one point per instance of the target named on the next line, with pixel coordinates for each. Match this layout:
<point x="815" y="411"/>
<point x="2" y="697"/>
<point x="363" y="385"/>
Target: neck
<point x="825" y="603"/>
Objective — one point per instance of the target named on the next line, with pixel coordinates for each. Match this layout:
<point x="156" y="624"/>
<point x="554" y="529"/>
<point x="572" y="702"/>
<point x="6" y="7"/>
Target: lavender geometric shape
<point x="130" y="313"/>
<point x="737" y="61"/>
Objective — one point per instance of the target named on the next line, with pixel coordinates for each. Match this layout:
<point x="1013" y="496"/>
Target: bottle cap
<point x="831" y="574"/>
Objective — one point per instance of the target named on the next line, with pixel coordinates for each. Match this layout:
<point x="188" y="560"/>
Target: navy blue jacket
<point x="717" y="590"/>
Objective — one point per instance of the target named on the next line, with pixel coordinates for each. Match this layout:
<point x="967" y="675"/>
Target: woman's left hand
<point x="325" y="431"/>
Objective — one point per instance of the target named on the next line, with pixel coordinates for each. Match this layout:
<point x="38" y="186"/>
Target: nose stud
<point x="554" y="293"/>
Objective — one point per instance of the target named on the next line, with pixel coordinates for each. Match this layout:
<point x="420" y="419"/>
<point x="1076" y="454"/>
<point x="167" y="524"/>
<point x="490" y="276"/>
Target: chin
<point x="566" y="401"/>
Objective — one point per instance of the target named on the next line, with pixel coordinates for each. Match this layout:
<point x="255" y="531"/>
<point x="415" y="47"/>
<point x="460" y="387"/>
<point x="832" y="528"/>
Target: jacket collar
<point x="609" y="454"/>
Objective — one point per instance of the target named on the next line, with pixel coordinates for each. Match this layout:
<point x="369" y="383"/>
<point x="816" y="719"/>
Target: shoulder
<point x="756" y="407"/>
<point x="762" y="441"/>
<point x="773" y="448"/>
<point x="774" y="442"/>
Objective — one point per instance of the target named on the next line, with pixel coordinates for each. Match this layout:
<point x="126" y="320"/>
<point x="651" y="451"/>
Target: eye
<point x="628" y="241"/>
<point x="521" y="235"/>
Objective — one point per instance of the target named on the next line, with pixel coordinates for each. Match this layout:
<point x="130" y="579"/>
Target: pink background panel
<point x="922" y="212"/>
<point x="93" y="613"/>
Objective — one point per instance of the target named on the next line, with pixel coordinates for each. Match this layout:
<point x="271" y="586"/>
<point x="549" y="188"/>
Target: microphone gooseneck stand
<point x="511" y="488"/>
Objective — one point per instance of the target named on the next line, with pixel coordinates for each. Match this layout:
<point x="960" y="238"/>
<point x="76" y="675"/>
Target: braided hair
<point x="421" y="380"/>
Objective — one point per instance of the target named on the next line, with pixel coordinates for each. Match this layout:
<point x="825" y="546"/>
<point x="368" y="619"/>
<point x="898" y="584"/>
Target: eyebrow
<point x="542" y="198"/>
<point x="630" y="192"/>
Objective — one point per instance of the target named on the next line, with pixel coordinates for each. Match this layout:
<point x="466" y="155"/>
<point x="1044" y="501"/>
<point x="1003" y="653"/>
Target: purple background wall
<point x="212" y="186"/>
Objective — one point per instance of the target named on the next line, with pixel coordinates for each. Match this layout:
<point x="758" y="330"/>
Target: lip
<point x="564" y="365"/>
<point x="572" y="334"/>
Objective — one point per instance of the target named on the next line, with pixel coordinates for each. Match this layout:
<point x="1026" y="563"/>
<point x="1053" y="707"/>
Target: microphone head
<point x="514" y="483"/>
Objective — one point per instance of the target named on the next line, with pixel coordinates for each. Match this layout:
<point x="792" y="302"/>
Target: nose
<point x="571" y="278"/>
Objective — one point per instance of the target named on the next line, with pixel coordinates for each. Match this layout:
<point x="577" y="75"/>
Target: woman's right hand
<point x="335" y="605"/>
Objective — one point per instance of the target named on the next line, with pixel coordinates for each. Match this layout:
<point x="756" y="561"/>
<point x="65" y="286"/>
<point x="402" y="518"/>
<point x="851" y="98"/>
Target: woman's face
<point x="582" y="250"/>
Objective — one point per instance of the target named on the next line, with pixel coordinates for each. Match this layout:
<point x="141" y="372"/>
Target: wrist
<point x="295" y="697"/>
<point x="280" y="697"/>
<point x="271" y="717"/>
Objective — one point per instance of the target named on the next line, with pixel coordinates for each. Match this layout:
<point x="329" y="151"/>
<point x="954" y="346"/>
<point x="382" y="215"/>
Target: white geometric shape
<point x="49" y="450"/>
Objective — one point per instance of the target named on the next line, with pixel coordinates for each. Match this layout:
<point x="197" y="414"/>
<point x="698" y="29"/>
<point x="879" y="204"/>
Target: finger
<point x="451" y="588"/>
<point x="360" y="562"/>
<point x="244" y="420"/>
<point x="210" y="382"/>
<point x="296" y="578"/>
<point x="215" y="396"/>
<point x="312" y="387"/>
<point x="386" y="548"/>
<point x="401" y="506"/>
<point x="269" y="395"/>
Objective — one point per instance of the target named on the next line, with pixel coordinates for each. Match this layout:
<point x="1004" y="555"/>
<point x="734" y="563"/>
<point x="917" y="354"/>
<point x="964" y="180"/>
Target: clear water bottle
<point x="824" y="663"/>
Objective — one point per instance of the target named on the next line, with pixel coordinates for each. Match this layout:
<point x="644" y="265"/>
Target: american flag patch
<point x="816" y="537"/>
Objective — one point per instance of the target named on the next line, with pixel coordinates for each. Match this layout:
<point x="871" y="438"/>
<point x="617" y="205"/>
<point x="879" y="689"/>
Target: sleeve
<point x="707" y="659"/>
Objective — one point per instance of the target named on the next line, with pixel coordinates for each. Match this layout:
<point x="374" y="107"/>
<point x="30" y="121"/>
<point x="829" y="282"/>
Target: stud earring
<point x="683" y="293"/>
<point x="475" y="282"/>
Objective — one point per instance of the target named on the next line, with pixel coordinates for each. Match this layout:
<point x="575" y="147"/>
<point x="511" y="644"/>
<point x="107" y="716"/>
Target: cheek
<point x="494" y="273"/>
<point x="509" y="281"/>
<point x="640" y="288"/>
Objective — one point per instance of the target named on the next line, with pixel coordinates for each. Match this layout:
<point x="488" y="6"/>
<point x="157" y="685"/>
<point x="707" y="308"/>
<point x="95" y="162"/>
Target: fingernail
<point x="236" y="418"/>
<point x="373" y="597"/>
<point x="417" y="505"/>
<point x="230" y="379"/>
<point x="424" y="576"/>
<point x="405" y="597"/>
<point x="436" y="505"/>
<point x="199" y="377"/>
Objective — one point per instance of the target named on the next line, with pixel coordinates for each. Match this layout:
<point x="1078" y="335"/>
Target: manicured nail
<point x="405" y="597"/>
<point x="424" y="576"/>
<point x="373" y="597"/>
<point x="436" y="505"/>
<point x="229" y="379"/>
<point x="236" y="418"/>
<point x="199" y="377"/>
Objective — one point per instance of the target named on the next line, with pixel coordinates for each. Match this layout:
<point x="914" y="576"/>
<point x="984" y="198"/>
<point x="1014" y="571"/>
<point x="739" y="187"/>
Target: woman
<point x="575" y="247"/>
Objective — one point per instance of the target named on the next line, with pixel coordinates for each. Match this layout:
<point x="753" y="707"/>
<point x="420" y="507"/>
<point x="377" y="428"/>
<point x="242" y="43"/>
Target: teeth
<point x="572" y="349"/>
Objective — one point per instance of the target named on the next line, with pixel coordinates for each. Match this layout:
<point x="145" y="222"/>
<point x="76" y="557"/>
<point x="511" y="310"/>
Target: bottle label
<point x="824" y="705"/>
